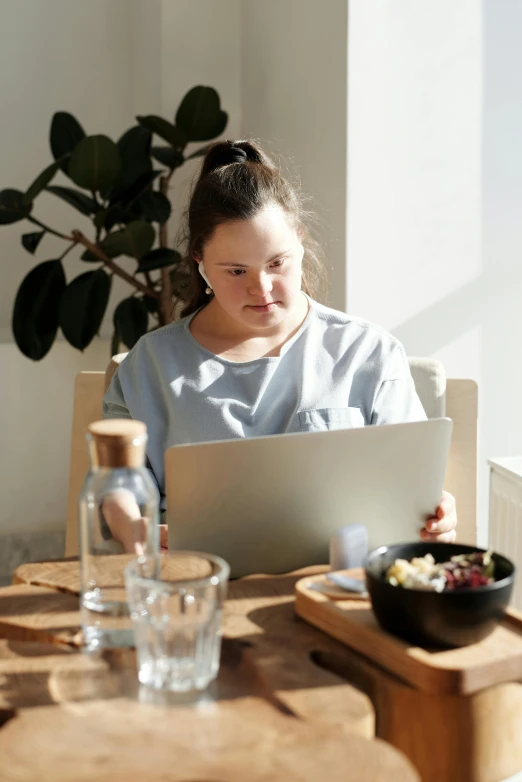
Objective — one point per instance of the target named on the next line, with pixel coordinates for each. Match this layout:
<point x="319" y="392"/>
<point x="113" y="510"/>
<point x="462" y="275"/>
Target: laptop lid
<point x="270" y="504"/>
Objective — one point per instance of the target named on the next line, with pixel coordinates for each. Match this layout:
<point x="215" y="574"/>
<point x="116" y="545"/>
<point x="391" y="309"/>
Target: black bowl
<point x="451" y="618"/>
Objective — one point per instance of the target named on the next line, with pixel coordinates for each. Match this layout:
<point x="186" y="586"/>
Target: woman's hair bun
<point x="236" y="155"/>
<point x="223" y="153"/>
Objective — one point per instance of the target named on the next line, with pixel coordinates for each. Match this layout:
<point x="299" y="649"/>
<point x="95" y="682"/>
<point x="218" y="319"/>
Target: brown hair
<point x="236" y="186"/>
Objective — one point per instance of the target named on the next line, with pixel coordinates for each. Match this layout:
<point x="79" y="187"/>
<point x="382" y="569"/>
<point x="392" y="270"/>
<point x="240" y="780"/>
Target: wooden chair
<point x="458" y="399"/>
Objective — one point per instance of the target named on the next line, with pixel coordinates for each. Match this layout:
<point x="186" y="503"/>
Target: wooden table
<point x="273" y="713"/>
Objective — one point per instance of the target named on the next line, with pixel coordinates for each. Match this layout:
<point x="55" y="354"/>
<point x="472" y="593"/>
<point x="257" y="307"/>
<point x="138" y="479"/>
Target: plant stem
<point x="49" y="230"/>
<point x="81" y="239"/>
<point x="68" y="250"/>
<point x="166" y="308"/>
<point x="148" y="279"/>
<point x="115" y="343"/>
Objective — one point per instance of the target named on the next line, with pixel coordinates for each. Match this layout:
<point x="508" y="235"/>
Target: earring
<point x="208" y="290"/>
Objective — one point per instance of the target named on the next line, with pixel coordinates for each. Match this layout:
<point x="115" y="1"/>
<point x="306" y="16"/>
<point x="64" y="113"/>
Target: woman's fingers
<point x="441" y="527"/>
<point x="447" y="506"/>
<point x="446" y="524"/>
<point x="131" y="533"/>
<point x="443" y="537"/>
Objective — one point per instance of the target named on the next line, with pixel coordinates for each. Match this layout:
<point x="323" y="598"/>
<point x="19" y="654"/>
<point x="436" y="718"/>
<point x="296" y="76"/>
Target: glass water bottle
<point x="119" y="520"/>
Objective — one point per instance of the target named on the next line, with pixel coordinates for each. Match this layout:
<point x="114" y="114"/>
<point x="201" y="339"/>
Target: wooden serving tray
<point x="463" y="671"/>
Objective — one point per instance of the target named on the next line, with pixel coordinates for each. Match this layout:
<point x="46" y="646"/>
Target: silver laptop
<point x="270" y="504"/>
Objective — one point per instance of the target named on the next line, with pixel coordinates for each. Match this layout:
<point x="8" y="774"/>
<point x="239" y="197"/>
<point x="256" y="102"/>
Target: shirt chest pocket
<point x="330" y="418"/>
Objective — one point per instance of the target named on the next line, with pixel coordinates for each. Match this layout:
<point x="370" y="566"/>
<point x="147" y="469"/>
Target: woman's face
<point x="254" y="268"/>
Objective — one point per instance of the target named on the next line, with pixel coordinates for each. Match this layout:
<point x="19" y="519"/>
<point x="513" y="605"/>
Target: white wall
<point x="200" y="44"/>
<point x="415" y="118"/>
<point x="293" y="98"/>
<point x="499" y="291"/>
<point x="414" y="141"/>
<point x="104" y="61"/>
<point x="36" y="400"/>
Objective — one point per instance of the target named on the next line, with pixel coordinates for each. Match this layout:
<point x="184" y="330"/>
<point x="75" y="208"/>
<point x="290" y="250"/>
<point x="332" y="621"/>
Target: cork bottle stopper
<point x="118" y="442"/>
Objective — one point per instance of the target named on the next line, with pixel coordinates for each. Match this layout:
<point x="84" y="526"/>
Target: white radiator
<point x="505" y="515"/>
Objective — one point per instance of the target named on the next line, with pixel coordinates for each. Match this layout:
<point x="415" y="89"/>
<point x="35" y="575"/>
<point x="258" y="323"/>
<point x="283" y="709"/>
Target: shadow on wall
<point x="491" y="302"/>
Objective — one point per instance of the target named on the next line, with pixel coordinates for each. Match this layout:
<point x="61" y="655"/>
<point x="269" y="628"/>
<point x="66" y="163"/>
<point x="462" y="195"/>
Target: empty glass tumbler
<point x="177" y="618"/>
<point x="119" y="518"/>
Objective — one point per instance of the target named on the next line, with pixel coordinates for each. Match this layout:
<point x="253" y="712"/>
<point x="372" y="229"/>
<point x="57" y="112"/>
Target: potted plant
<point x="121" y="188"/>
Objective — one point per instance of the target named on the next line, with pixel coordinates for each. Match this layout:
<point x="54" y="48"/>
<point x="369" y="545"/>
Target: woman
<point x="254" y="353"/>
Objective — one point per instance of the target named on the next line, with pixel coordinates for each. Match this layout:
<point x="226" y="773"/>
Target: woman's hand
<point x="441" y="527"/>
<point x="127" y="525"/>
<point x="164" y="536"/>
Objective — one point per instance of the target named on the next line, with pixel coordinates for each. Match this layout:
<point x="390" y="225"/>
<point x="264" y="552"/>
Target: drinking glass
<point x="177" y="618"/>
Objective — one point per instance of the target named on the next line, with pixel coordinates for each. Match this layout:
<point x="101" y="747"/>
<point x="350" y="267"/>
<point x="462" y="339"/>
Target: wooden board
<point x="40" y="674"/>
<point x="259" y="613"/>
<point x="136" y="739"/>
<point x="61" y="575"/>
<point x="31" y="613"/>
<point x="462" y="671"/>
<point x="64" y="575"/>
<point x="34" y="674"/>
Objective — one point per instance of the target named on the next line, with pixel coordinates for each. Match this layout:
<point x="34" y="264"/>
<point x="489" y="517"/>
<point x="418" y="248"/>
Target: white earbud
<point x="202" y="272"/>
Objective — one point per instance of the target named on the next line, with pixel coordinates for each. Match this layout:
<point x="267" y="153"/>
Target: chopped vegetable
<point x="463" y="570"/>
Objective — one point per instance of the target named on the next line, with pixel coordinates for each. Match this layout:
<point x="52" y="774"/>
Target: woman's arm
<point x="120" y="509"/>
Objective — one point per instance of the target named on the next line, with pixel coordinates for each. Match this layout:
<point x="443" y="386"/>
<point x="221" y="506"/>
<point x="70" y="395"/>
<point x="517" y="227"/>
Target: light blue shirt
<point x="336" y="372"/>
